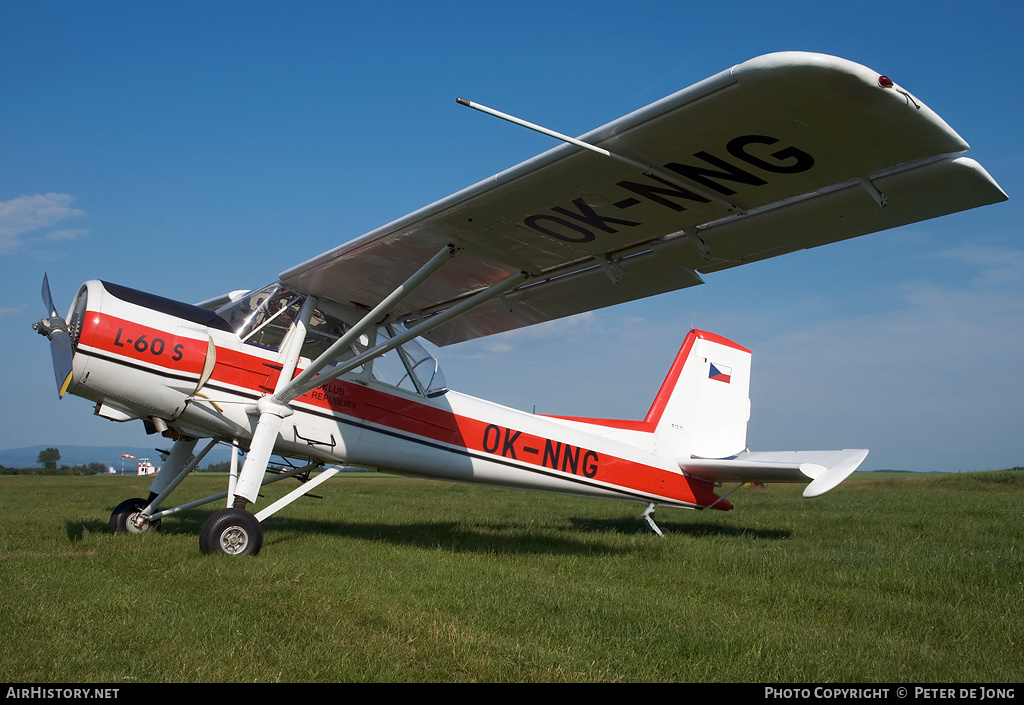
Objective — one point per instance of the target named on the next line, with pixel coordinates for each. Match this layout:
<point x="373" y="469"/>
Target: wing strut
<point x="304" y="383"/>
<point x="166" y="489"/>
<point x="273" y="409"/>
<point x="301" y="384"/>
<point x="272" y="412"/>
<point x="645" y="169"/>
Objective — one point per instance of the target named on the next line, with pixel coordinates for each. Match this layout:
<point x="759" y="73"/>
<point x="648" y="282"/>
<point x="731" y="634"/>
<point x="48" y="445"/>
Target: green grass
<point x="902" y="578"/>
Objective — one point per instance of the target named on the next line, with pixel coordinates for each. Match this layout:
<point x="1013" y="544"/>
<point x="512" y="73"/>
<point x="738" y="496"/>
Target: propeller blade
<point x="63" y="359"/>
<point x="61" y="350"/>
<point x="48" y="298"/>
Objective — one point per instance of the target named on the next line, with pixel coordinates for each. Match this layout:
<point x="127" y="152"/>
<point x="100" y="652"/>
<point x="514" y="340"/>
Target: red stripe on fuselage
<point x="141" y="343"/>
<point x="504" y="443"/>
<point x="253" y="373"/>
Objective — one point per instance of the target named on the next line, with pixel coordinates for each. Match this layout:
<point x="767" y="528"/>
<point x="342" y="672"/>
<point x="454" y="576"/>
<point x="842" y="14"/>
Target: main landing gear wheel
<point x="234" y="532"/>
<point x="127" y="518"/>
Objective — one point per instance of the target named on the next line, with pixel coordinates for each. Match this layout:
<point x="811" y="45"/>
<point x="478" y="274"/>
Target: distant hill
<point x="110" y="456"/>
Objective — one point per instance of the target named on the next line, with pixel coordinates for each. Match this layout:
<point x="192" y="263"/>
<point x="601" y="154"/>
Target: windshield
<point x="262" y="317"/>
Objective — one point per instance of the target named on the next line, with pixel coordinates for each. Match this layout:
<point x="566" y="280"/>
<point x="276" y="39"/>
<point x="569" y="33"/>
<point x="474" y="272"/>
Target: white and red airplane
<point x="784" y="152"/>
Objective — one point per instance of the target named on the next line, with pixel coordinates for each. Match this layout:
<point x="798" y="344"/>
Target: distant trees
<point x="224" y="466"/>
<point x="49" y="458"/>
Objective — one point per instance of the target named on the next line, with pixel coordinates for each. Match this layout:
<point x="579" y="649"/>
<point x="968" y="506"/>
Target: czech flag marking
<point x="720" y="373"/>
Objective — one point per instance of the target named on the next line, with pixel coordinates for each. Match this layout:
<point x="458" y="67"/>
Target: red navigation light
<point x="885" y="82"/>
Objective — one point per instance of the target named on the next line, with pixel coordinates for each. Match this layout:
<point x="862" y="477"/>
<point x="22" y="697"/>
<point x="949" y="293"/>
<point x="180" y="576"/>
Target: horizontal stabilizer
<point x="824" y="468"/>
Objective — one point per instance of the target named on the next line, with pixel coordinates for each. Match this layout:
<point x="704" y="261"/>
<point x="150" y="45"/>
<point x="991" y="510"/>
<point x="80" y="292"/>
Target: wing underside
<point x="784" y="152"/>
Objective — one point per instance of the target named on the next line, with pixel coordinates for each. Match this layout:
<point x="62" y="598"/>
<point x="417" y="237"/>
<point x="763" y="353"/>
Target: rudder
<point x="703" y="406"/>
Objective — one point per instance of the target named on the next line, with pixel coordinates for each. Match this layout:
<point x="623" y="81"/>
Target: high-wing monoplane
<point x="781" y="153"/>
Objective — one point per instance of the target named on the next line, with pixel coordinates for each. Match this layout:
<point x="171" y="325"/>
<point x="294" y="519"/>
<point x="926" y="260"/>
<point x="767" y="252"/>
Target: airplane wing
<point x="824" y="469"/>
<point x="784" y="152"/>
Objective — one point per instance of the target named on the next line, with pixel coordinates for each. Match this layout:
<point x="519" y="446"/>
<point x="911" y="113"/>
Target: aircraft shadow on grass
<point x="466" y="537"/>
<point x="630" y="525"/>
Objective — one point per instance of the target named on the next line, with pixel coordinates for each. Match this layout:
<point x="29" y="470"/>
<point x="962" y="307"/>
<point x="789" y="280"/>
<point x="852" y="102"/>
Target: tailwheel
<point x="234" y="532"/>
<point x="127" y="518"/>
<point x="648" y="516"/>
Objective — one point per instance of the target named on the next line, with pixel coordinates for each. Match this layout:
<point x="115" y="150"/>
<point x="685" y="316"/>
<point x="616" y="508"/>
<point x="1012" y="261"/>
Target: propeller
<point x="61" y="350"/>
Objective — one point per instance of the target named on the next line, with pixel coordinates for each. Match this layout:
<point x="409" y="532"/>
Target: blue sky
<point x="193" y="148"/>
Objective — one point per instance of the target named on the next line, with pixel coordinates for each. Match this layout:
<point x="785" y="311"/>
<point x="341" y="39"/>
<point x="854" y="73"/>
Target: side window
<point x="409" y="367"/>
<point x="264" y="317"/>
<point x="322" y="332"/>
<point x="389" y="368"/>
<point x="424" y="368"/>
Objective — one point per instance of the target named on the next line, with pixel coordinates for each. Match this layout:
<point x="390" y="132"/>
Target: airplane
<point x="780" y="153"/>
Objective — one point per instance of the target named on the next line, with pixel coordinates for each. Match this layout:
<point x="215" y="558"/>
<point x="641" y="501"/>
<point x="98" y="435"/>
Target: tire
<point x="124" y="518"/>
<point x="232" y="532"/>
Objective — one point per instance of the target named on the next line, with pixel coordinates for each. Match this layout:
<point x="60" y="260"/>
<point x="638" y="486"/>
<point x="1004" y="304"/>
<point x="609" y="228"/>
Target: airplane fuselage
<point x="185" y="372"/>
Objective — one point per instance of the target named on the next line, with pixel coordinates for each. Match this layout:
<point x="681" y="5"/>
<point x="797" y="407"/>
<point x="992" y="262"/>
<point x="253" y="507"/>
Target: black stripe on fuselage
<point x="401" y="435"/>
<point x="162" y="372"/>
<point x="457" y="450"/>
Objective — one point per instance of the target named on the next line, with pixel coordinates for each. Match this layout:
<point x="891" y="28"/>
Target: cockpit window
<point x="264" y="317"/>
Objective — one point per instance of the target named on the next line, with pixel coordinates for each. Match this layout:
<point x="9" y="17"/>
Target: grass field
<point x="906" y="578"/>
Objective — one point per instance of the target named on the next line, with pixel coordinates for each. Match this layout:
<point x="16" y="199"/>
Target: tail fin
<point x="699" y="419"/>
<point x="703" y="405"/>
